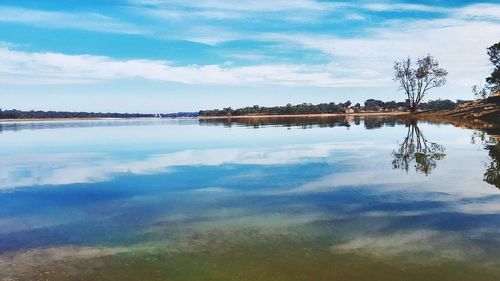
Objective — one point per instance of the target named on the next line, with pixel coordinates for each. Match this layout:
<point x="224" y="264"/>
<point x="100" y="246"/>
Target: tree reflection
<point x="417" y="152"/>
<point x="492" y="173"/>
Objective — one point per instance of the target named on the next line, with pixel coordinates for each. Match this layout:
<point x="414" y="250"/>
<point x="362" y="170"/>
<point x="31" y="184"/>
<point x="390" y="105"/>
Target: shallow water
<point x="258" y="199"/>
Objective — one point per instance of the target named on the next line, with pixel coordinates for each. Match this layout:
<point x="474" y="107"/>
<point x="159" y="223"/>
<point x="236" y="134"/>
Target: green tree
<point x="480" y="92"/>
<point x="494" y="79"/>
<point x="416" y="80"/>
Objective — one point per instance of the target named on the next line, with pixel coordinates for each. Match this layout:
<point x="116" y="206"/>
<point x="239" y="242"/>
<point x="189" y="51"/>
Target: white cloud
<point x="84" y="21"/>
<point x="384" y="7"/>
<point x="243" y="5"/>
<point x="355" y="17"/>
<point x="459" y="45"/>
<point x="479" y="11"/>
<point x="18" y="67"/>
<point x="299" y="11"/>
<point x="458" y="40"/>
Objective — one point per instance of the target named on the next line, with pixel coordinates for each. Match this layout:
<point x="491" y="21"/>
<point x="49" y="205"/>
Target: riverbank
<point x="475" y="113"/>
<point x="220" y="117"/>
<point x="89" y="119"/>
<point x="479" y="114"/>
<point x="53" y="119"/>
<point x="487" y="109"/>
<point x="325" y="115"/>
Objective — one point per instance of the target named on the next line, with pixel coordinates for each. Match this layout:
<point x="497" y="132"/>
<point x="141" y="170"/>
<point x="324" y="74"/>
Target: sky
<point x="158" y="56"/>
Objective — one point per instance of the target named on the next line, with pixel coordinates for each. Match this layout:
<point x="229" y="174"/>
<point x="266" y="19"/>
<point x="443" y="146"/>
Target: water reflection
<point x="15" y="126"/>
<point x="305" y="122"/>
<point x="492" y="145"/>
<point x="176" y="201"/>
<point x="301" y="122"/>
<point x="417" y="152"/>
<point x="492" y="174"/>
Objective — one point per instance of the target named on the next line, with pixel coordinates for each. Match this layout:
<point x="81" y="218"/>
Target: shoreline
<point x="325" y="115"/>
<point x="82" y="119"/>
<point x="395" y="113"/>
<point x="53" y="119"/>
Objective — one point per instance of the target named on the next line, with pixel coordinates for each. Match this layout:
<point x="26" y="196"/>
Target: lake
<point x="373" y="198"/>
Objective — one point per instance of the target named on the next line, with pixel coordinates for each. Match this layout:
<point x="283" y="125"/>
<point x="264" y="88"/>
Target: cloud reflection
<point x="71" y="168"/>
<point x="433" y="244"/>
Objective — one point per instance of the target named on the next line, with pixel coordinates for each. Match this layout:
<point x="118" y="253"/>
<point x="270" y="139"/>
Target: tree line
<point x="32" y="114"/>
<point x="289" y="109"/>
<point x="370" y="105"/>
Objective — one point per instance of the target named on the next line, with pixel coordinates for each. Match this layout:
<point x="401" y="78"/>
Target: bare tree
<point x="417" y="80"/>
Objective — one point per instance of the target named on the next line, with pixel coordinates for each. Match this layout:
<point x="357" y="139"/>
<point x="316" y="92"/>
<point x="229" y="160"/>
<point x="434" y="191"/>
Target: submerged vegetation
<point x="398" y="227"/>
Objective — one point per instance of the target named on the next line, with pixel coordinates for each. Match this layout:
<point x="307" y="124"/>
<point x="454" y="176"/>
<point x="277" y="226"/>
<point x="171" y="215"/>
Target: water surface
<point x="251" y="199"/>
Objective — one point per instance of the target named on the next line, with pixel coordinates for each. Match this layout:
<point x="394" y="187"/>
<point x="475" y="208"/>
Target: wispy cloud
<point x="370" y="55"/>
<point x="244" y="5"/>
<point x="391" y="7"/>
<point x="478" y="12"/>
<point x="298" y="11"/>
<point x="67" y="20"/>
<point x="355" y="17"/>
<point x="354" y="44"/>
<point x="464" y="56"/>
<point x="18" y="67"/>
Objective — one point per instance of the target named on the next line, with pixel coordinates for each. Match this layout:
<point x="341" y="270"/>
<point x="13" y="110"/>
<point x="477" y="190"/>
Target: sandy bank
<point x="307" y="115"/>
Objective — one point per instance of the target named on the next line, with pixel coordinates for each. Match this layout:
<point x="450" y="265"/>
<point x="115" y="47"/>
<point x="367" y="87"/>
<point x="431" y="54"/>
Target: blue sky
<point x="173" y="55"/>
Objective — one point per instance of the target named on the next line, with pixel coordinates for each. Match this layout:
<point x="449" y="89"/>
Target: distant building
<point x="349" y="110"/>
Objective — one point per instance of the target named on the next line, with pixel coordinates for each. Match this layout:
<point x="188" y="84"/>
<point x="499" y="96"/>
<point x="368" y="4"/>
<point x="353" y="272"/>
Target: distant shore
<point x="94" y="118"/>
<point x="54" y="119"/>
<point x="395" y="113"/>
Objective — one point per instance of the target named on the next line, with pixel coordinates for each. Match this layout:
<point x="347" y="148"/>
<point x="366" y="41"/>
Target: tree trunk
<point x="413" y="108"/>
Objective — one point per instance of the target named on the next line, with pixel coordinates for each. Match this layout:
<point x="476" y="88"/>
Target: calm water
<point x="280" y="199"/>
